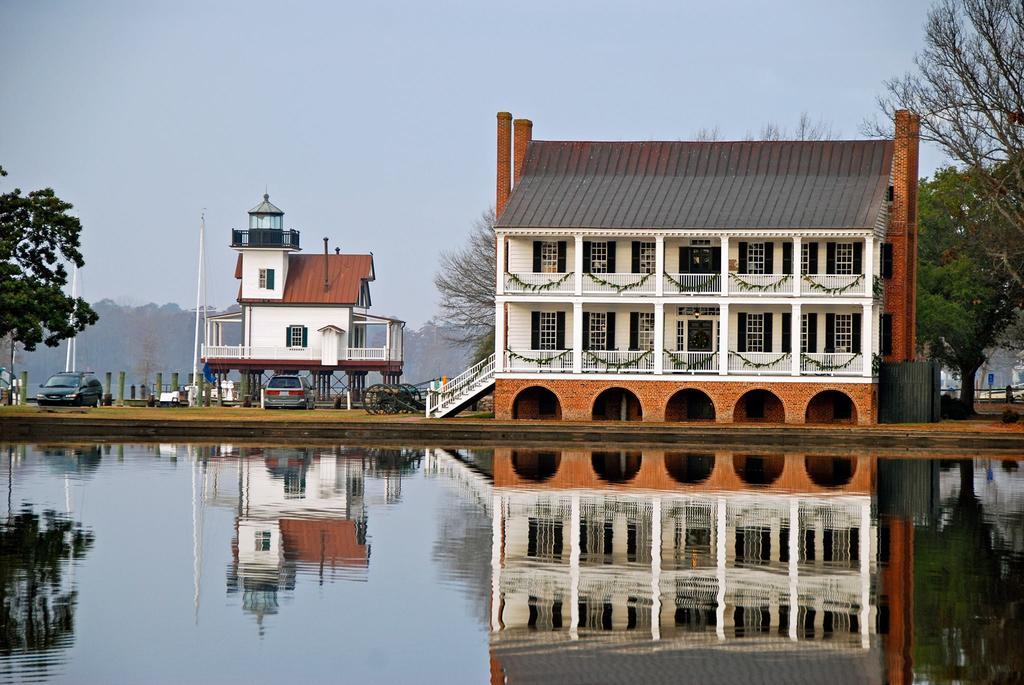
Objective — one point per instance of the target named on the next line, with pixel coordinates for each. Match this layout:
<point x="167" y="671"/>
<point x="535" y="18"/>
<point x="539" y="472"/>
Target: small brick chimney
<point x="901" y="289"/>
<point x="504" y="175"/>
<point x="523" y="134"/>
<point x="326" y="253"/>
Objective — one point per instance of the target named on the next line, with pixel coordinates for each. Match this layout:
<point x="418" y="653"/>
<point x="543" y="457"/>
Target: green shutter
<point x="305" y="337"/>
<point x="287" y="336"/>
<point x="270" y="279"/>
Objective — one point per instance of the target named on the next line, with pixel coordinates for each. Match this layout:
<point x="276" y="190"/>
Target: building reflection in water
<point x="663" y="555"/>
<point x="303" y="511"/>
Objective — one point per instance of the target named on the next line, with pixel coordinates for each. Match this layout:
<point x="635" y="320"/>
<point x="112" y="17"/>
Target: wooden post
<point x="120" y="388"/>
<point x="23" y="389"/>
<point x="108" y="397"/>
<point x="131" y="391"/>
<point x="243" y="394"/>
<point x="159" y="385"/>
<point x="174" y="382"/>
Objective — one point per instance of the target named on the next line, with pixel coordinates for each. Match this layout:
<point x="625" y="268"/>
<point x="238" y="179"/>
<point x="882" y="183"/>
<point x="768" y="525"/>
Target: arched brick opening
<point x="690" y="405"/>
<point x="617" y="404"/>
<point x="616" y="467"/>
<point x="759" y="405"/>
<point x="830" y="472"/>
<point x="758" y="469"/>
<point x="831" y="406"/>
<point x="536" y="402"/>
<point x="535" y="465"/>
<point x="689" y="469"/>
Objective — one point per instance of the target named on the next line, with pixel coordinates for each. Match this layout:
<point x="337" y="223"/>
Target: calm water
<point x="180" y="563"/>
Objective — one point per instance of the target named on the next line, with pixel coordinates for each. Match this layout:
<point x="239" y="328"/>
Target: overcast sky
<point x="373" y="123"/>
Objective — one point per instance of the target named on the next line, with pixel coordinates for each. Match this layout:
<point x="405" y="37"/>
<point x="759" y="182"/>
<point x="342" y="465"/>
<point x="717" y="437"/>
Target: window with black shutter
<point x="634" y="330"/>
<point x="587" y="334"/>
<point x="560" y="330"/>
<point x="560" y="263"/>
<point x="809" y="258"/>
<point x="830" y="332"/>
<point x="787" y="258"/>
<point x="586" y="256"/>
<point x="830" y="258"/>
<point x="858" y="258"/>
<point x="886" y="333"/>
<point x="787" y="332"/>
<point x="855" y="334"/>
<point x="886" y="260"/>
<point x="684" y="260"/>
<point x="766" y="346"/>
<point x="769" y="258"/>
<point x="611" y="256"/>
<point x="741" y="331"/>
<point x="742" y="248"/>
<point x="809" y="342"/>
<point x="534" y="330"/>
<point x="610" y="331"/>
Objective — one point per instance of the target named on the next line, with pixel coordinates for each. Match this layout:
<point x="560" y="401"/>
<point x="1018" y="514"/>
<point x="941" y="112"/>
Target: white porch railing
<point x="690" y="362"/>
<point x="760" y="284"/>
<point x="618" y="361"/>
<point x="458" y="389"/>
<point x="760" y="362"/>
<point x="289" y="353"/>
<point x="538" y="360"/>
<point x="621" y="284"/>
<point x="833" y="284"/>
<point x="695" y="284"/>
<point x="366" y="353"/>
<point x="538" y="284"/>
<point x="831" y="364"/>
<point x="258" y="352"/>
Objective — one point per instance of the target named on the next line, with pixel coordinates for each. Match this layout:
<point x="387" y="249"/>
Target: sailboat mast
<point x="69" y="363"/>
<point x="194" y="389"/>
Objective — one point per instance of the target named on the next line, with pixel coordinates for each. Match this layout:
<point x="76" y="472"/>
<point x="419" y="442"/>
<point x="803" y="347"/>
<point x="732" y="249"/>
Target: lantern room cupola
<point x="266" y="229"/>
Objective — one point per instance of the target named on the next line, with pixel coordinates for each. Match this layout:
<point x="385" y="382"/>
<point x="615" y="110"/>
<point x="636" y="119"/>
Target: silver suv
<point x="289" y="390"/>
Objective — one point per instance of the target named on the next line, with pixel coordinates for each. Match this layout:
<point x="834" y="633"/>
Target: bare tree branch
<point x="465" y="281"/>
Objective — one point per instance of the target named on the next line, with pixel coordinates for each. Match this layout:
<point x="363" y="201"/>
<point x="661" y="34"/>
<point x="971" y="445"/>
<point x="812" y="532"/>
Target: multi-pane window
<point x="755" y="258"/>
<point x="805" y="258"/>
<point x="263" y="541"/>
<point x="755" y="332"/>
<point x="599" y="257"/>
<point x="548" y="330"/>
<point x="803" y="333"/>
<point x="549" y="257"/>
<point x="295" y="336"/>
<point x="844" y="332"/>
<point x="648" y="258"/>
<point x="844" y="258"/>
<point x="680" y="334"/>
<point x="266" y="278"/>
<point x="645" y="330"/>
<point x="597" y="336"/>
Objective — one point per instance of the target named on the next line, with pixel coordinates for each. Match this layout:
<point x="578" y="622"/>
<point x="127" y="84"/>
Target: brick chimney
<point x="326" y="284"/>
<point x="523" y="134"/>
<point x="504" y="161"/>
<point x="901" y="289"/>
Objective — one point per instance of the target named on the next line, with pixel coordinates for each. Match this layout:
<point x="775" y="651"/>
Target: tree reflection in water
<point x="37" y="605"/>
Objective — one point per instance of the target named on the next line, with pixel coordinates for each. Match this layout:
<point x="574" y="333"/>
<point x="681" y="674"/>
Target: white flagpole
<point x="69" y="363"/>
<point x="194" y="389"/>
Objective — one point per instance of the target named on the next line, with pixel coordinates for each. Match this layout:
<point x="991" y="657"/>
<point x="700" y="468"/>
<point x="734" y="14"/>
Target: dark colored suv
<point x="76" y="388"/>
<point x="289" y="390"/>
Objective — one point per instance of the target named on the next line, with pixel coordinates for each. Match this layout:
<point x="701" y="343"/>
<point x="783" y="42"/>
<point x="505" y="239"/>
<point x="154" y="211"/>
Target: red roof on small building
<point x="346" y="274"/>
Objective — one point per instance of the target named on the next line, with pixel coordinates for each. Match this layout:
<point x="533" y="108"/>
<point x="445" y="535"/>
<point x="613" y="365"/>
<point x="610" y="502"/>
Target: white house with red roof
<point x="302" y="312"/>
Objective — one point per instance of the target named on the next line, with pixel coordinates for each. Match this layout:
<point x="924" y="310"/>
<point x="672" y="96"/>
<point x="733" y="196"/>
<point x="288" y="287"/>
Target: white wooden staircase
<point x="459" y="392"/>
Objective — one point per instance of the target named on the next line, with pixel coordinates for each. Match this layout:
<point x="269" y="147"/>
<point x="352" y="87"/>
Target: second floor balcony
<point x="265" y="237"/>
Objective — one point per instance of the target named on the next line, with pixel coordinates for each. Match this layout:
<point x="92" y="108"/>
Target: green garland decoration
<point x="537" y="287"/>
<point x="876" y="364"/>
<point x="618" y="366"/>
<point x="748" y="287"/>
<point x="615" y="286"/>
<point x="706" y="364"/>
<point x="759" y="365"/>
<point x="839" y="290"/>
<point x="683" y="288"/>
<point x="825" y="366"/>
<point x="878" y="288"/>
<point x="540" y="361"/>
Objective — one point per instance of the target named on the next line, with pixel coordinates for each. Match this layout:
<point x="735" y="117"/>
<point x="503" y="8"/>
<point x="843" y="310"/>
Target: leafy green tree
<point x="965" y="299"/>
<point x="37" y="238"/>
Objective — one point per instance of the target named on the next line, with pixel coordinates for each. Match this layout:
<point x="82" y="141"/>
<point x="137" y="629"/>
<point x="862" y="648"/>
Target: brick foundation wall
<point x="576" y="398"/>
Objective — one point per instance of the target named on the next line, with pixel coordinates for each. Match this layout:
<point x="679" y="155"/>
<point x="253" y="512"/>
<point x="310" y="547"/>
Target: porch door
<point x="699" y="335"/>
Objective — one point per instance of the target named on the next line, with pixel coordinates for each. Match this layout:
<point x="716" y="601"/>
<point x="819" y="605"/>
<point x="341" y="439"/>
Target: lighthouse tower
<point x="264" y="247"/>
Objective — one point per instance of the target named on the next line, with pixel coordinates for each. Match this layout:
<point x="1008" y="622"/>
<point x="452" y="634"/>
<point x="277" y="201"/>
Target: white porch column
<point x="720" y="569"/>
<point x="499" y="336"/>
<point x="869" y="266"/>
<point x="797" y="243"/>
<point x="659" y="265"/>
<point x="794" y="337"/>
<point x="794" y="560"/>
<point x="574" y="566"/>
<point x="865" y="572"/>
<point x="577" y="265"/>
<point x="659" y="337"/>
<point x="499" y="265"/>
<point x="725" y="265"/>
<point x="723" y="338"/>
<point x="655" y="568"/>
<point x="387" y="340"/>
<point x="867" y="338"/>
<point x="577" y="337"/>
<point x="497" y="540"/>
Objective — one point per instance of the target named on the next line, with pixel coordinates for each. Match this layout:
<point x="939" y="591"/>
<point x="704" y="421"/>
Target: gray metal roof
<point x="265" y="207"/>
<point x="691" y="185"/>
